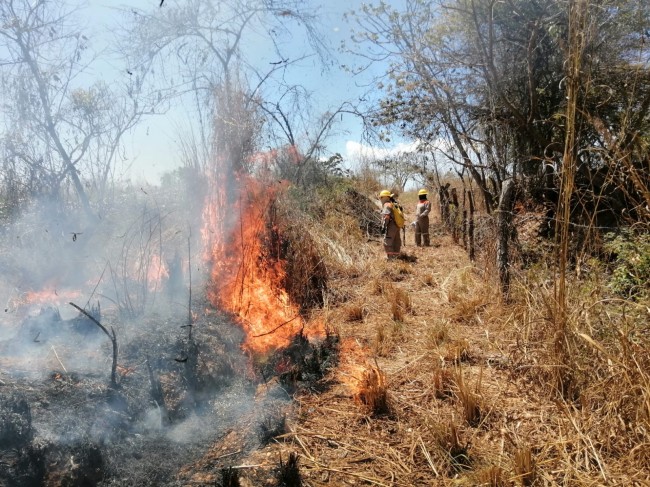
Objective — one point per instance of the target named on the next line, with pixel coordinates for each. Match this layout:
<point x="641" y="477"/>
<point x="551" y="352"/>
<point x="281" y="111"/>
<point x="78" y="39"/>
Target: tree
<point x="489" y="77"/>
<point x="197" y="49"/>
<point x="59" y="127"/>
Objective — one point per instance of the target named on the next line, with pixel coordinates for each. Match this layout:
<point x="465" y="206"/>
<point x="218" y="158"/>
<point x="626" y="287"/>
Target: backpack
<point x="398" y="215"/>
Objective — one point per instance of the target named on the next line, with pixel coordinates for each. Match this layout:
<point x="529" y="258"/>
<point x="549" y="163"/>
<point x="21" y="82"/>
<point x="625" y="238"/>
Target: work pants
<point x="392" y="241"/>
<point x="422" y="231"/>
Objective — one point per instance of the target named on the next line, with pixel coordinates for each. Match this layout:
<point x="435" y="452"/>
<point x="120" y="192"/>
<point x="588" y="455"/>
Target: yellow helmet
<point x="386" y="193"/>
<point x="423" y="192"/>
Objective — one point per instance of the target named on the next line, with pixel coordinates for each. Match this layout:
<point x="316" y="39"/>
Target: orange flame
<point x="246" y="280"/>
<point x="156" y="272"/>
<point x="353" y="364"/>
<point x="51" y="297"/>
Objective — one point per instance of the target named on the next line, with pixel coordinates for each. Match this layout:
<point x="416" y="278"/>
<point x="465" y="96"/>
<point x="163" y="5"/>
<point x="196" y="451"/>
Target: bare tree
<point x="60" y="127"/>
<point x="197" y="49"/>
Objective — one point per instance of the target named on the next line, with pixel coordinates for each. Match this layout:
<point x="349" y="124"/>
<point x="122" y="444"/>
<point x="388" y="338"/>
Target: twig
<point x="352" y="474"/>
<point x="228" y="454"/>
<point x="427" y="455"/>
<point x="276" y="328"/>
<point x="189" y="269"/>
<point x="57" y="357"/>
<point x="295" y="435"/>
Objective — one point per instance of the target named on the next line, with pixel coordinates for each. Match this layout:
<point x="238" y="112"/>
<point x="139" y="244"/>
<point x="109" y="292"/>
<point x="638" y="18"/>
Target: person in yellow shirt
<point x="389" y="229"/>
<point x="422" y="211"/>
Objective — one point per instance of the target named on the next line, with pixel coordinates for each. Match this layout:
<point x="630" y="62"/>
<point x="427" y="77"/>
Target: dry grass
<point x="454" y="452"/>
<point x="525" y="466"/>
<point x="373" y="391"/>
<point x="400" y="304"/>
<point x="382" y="344"/>
<point x="493" y="476"/>
<point x="580" y="399"/>
<point x="437" y="334"/>
<point x="457" y="351"/>
<point x="470" y="400"/>
<point x="397" y="271"/>
<point x="444" y="383"/>
<point x="428" y="280"/>
<point x="355" y="312"/>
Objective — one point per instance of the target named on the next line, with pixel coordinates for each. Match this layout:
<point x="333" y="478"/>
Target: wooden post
<point x="472" y="253"/>
<point x="504" y="218"/>
<point x="454" y="215"/>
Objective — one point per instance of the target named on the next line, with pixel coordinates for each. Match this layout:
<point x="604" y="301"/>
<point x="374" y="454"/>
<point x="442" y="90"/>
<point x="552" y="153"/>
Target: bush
<point x="630" y="263"/>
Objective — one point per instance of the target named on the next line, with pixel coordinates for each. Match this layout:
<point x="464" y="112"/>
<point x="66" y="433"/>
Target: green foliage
<point x="631" y="263"/>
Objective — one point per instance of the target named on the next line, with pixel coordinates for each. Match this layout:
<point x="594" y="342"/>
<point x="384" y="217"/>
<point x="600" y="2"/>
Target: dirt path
<point x="452" y="412"/>
<point x="434" y="386"/>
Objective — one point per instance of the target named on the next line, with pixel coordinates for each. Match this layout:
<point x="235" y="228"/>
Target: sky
<point x="152" y="148"/>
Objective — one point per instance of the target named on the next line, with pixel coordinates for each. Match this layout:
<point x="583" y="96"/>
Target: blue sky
<point x="152" y="148"/>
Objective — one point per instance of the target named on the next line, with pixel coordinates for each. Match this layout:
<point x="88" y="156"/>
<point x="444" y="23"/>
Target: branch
<point x="112" y="338"/>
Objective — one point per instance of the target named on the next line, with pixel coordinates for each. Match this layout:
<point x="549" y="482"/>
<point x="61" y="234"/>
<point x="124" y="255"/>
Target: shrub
<point x="631" y="263"/>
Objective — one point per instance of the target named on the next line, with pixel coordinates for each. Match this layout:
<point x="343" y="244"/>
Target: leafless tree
<point x="59" y="126"/>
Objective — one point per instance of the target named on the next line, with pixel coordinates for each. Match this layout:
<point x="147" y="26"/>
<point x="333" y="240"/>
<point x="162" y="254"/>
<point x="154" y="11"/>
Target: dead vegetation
<point x="471" y="390"/>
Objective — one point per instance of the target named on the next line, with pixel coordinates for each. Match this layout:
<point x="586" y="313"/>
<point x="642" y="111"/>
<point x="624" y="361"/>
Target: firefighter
<point x="422" y="219"/>
<point x="389" y="229"/>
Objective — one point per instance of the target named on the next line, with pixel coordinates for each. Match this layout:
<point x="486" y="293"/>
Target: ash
<point x="176" y="395"/>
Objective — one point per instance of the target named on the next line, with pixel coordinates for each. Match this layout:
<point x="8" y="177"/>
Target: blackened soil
<point x="176" y="395"/>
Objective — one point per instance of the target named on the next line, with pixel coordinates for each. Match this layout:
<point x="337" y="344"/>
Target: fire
<point x="246" y="279"/>
<point x="353" y="365"/>
<point x="49" y="296"/>
<point x="156" y="272"/>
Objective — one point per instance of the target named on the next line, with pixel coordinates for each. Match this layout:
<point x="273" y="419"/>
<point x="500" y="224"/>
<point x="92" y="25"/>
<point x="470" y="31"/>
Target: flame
<point x="48" y="296"/>
<point x="246" y="279"/>
<point x="156" y="272"/>
<point x="353" y="365"/>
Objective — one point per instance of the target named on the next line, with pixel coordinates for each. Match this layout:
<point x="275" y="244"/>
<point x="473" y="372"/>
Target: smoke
<point x="179" y="386"/>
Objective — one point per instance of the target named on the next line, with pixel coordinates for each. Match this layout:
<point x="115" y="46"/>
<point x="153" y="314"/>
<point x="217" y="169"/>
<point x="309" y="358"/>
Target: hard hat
<point x="423" y="192"/>
<point x="385" y="193"/>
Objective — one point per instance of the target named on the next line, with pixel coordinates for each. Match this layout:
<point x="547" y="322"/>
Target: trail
<point x="465" y="402"/>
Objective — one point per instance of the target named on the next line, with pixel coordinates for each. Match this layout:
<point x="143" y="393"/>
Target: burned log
<point x="15" y="423"/>
<point x="157" y="394"/>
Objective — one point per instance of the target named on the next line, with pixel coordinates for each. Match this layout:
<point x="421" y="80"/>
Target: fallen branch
<point x="113" y="339"/>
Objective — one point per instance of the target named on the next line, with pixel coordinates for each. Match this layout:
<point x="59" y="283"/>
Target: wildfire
<point x="246" y="280"/>
<point x="50" y="296"/>
<point x="353" y="365"/>
<point x="156" y="272"/>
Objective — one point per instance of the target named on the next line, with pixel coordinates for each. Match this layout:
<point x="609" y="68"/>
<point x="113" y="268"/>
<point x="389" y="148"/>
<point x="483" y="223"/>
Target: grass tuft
<point x="525" y="466"/>
<point x="373" y="392"/>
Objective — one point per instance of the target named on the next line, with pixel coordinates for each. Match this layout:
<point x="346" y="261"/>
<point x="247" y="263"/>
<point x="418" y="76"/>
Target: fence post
<point x="504" y="218"/>
<point x="472" y="254"/>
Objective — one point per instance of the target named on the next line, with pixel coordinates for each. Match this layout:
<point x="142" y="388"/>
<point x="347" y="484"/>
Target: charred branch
<point x="111" y="336"/>
<point x="289" y="472"/>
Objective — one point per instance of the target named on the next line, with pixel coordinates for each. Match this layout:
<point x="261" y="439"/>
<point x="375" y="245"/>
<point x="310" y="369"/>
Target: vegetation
<point x="513" y="352"/>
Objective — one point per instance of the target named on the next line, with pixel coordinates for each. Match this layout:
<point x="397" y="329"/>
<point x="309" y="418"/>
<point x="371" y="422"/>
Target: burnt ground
<point x="176" y="396"/>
